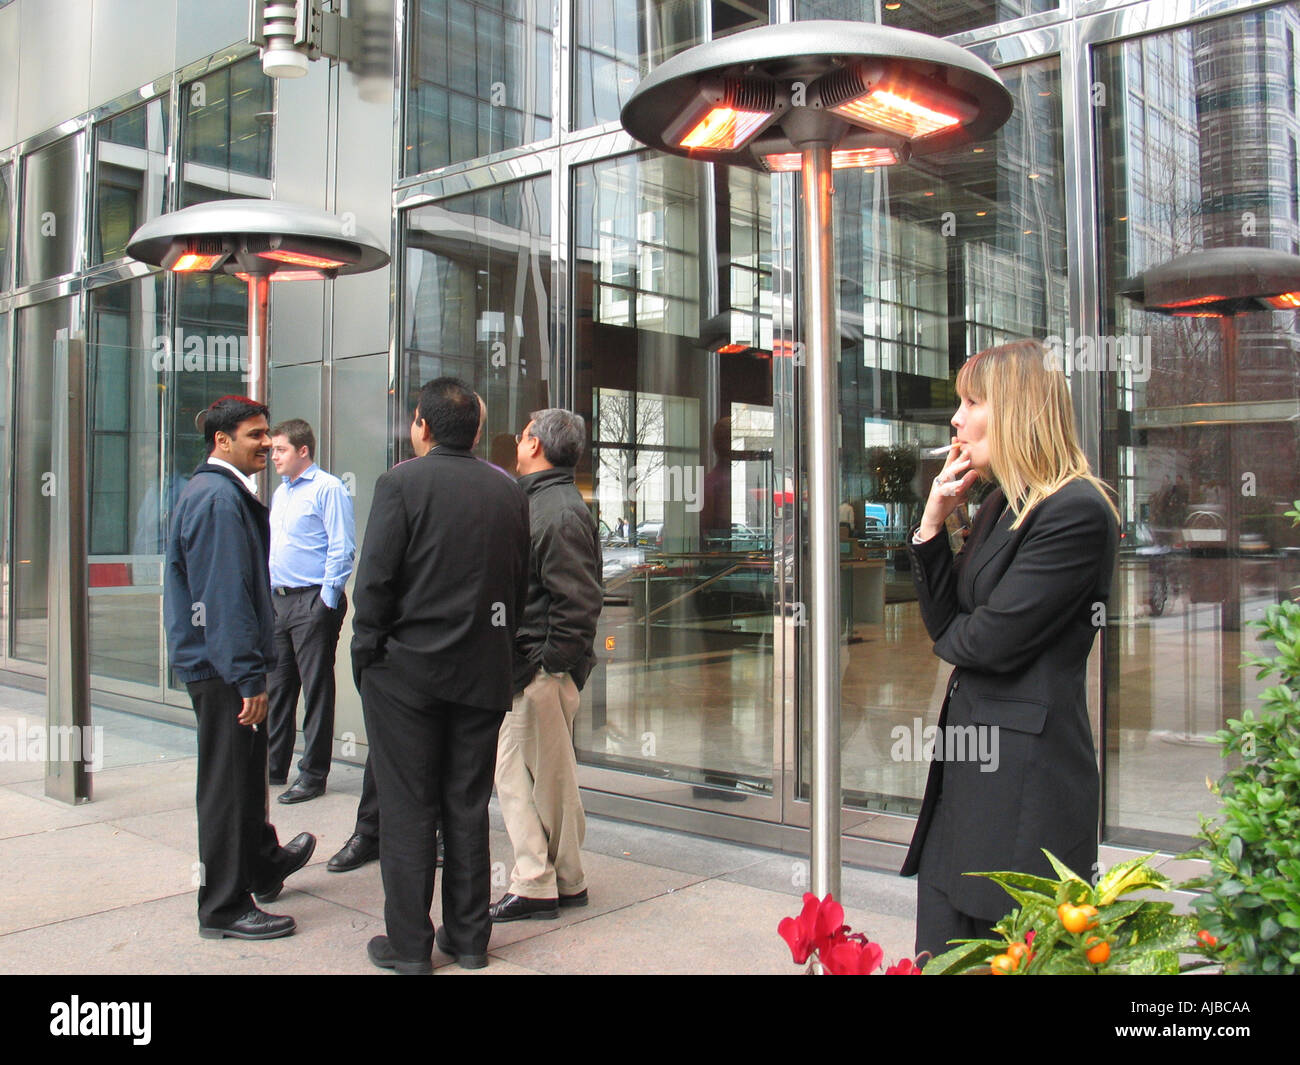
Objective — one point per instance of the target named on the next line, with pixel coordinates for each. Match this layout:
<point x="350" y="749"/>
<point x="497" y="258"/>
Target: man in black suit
<point x="220" y="642"/>
<point x="440" y="588"/>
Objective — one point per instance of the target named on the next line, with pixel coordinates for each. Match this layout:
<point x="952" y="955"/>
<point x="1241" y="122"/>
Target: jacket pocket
<point x="1018" y="715"/>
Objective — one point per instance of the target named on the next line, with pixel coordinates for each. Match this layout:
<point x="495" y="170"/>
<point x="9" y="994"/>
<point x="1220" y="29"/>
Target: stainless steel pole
<point x="68" y="713"/>
<point x="259" y="292"/>
<point x="821" y="312"/>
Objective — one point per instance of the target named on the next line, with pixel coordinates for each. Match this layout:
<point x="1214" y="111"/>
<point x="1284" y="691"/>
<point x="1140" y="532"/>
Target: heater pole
<point x="259" y="291"/>
<point x="821" y="313"/>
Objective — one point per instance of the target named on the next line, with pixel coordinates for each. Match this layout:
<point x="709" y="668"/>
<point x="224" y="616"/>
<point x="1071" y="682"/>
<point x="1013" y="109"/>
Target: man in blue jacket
<point x="220" y="642"/>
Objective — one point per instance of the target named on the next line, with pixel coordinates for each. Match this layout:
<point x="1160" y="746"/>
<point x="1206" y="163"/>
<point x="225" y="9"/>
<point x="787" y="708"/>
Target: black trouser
<point x="306" y="635"/>
<point x="432" y="760"/>
<point x="238" y="848"/>
<point x="368" y="807"/>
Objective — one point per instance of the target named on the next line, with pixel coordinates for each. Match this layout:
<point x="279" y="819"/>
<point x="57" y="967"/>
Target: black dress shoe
<point x="465" y="961"/>
<point x="255" y="924"/>
<point x="578" y="898"/>
<point x="382" y="954"/>
<point x="302" y="790"/>
<point x="297" y="853"/>
<point x="518" y="908"/>
<point x="354" y="854"/>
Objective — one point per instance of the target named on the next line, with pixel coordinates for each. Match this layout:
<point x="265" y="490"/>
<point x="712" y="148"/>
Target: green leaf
<point x="1063" y="870"/>
<point x="968" y="955"/>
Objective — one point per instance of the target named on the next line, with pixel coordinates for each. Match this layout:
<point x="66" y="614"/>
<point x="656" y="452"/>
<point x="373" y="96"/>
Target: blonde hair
<point x="1033" y="447"/>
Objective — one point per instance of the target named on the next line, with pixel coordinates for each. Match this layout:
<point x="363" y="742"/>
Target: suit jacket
<point x="443" y="577"/>
<point x="216" y="588"/>
<point x="1016" y="612"/>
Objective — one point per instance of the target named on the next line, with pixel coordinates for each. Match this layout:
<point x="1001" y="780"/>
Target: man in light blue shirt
<point x="313" y="545"/>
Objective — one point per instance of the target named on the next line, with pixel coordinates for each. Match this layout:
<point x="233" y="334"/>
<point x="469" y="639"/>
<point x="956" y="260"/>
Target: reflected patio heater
<point x="815" y="97"/>
<point x="1222" y="283"/>
<point x="258" y="241"/>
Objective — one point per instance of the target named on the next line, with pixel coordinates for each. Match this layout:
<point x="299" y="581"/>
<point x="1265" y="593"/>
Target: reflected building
<point x="548" y="259"/>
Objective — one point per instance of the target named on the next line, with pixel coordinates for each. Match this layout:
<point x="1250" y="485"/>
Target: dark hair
<point x="450" y="409"/>
<point x="299" y="434"/>
<point x="227" y="414"/>
<point x="561" y="434"/>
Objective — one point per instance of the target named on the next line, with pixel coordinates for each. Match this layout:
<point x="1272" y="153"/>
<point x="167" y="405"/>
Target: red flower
<point x="854" y="956"/>
<point x="905" y="967"/>
<point x="812" y="931"/>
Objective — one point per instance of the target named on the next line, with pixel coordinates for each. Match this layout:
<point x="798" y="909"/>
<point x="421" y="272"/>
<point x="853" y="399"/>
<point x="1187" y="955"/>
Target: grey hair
<point x="561" y="433"/>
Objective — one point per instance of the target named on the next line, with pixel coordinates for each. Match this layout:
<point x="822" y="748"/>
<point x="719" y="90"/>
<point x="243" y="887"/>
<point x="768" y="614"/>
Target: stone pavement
<point x="105" y="887"/>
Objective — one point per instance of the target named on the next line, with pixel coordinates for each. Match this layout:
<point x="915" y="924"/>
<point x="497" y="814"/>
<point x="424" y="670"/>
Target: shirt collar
<point x="247" y="480"/>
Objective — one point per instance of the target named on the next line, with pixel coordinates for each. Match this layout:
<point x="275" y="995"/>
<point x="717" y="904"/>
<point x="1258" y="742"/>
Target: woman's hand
<point x="947" y="491"/>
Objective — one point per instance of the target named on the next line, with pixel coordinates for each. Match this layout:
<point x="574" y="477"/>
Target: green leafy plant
<point x="1071" y="927"/>
<point x="1251" y="895"/>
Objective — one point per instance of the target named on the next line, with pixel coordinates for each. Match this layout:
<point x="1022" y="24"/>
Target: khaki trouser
<point x="537" y="783"/>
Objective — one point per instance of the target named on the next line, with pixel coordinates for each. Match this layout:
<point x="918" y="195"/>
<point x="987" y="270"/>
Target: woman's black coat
<point x="1016" y="612"/>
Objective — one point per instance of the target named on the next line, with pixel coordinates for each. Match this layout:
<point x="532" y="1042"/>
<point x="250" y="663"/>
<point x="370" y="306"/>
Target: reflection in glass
<point x="480" y="80"/>
<point x="477" y="306"/>
<point x="130" y="176"/>
<point x="4" y="465"/>
<point x="33" y="482"/>
<point x="618" y="42"/>
<point x="49" y="211"/>
<point x="938" y="18"/>
<point x="129" y="498"/>
<point x="1200" y="427"/>
<point x="672" y="293"/>
<point x="6" y="196"/>
<point x="938" y="260"/>
<point x="226" y="125"/>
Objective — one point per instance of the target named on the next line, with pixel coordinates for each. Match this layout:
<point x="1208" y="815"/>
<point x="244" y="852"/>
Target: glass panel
<point x="480" y="79"/>
<point x="1202" y="422"/>
<point x="6" y="200"/>
<point x="937" y="260"/>
<point x="938" y="18"/>
<point x="618" y="42"/>
<point x="130" y="176"/>
<point x="129" y="503"/>
<point x="673" y="345"/>
<point x="49" y="213"/>
<point x="226" y="130"/>
<point x="33" y="481"/>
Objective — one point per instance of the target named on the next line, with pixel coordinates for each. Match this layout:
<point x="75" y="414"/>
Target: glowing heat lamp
<point x="841" y="159"/>
<point x="1193" y="302"/>
<point x="724" y="114"/>
<point x="290" y="275"/>
<point x="1284" y="301"/>
<point x="299" y="258"/>
<point x="875" y="95"/>
<point x="725" y="128"/>
<point x="191" y="262"/>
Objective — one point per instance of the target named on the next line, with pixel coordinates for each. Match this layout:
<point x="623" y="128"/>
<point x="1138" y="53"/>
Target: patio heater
<point x="815" y="97"/>
<point x="258" y="241"/>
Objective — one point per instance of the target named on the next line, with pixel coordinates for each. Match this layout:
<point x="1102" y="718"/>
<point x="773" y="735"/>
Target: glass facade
<point x="547" y="258"/>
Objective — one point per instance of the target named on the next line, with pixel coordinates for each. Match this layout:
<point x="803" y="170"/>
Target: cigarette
<point x="937" y="452"/>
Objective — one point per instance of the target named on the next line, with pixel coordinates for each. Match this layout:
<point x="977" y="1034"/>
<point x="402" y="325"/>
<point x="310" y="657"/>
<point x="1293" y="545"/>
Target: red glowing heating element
<point x="1193" y="302"/>
<point x="289" y="275"/>
<point x="788" y="162"/>
<point x="1285" y="301"/>
<point x="298" y="258"/>
<point x="909" y="117"/>
<point x="191" y="262"/>
<point x="724" y="128"/>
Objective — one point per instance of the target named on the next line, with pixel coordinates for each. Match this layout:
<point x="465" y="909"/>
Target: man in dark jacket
<point x="439" y="591"/>
<point x="220" y="641"/>
<point x="537" y="772"/>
